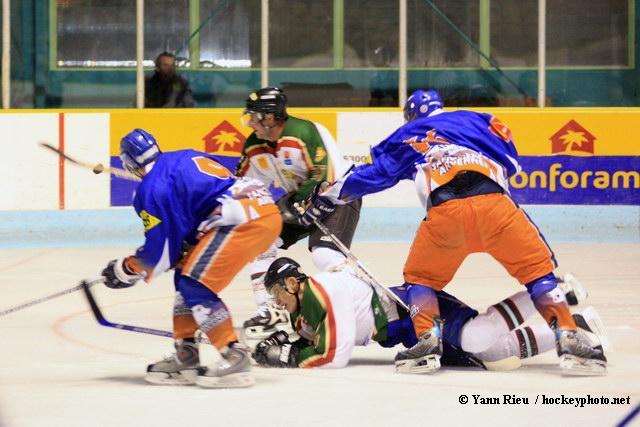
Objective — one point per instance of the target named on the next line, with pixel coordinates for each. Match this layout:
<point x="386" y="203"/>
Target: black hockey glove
<point x="319" y="206"/>
<point x="288" y="212"/>
<point x="277" y="352"/>
<point x="118" y="276"/>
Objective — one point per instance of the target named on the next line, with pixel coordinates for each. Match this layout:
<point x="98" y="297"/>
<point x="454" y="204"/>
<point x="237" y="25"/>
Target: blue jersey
<point x="182" y="189"/>
<point x="439" y="146"/>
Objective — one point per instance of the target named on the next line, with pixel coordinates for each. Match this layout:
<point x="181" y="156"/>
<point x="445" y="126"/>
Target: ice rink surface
<point x="58" y="367"/>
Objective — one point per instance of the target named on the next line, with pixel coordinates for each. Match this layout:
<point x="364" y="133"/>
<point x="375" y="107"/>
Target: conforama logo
<point x="572" y="139"/>
<point x="224" y="140"/>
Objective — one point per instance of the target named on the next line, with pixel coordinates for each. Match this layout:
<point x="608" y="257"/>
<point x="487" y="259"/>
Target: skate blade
<point x="186" y="377"/>
<point x="578" y="366"/>
<point x="239" y="380"/>
<point x="424" y="365"/>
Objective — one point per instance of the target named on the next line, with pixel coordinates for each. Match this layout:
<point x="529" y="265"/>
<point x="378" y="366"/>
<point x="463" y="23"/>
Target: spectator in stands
<point x="166" y="88"/>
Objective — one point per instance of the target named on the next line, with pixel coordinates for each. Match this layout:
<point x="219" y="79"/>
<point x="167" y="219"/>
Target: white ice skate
<point x="572" y="288"/>
<point x="590" y="320"/>
<point x="581" y="353"/>
<point x="181" y="368"/>
<point x="265" y="323"/>
<point x="233" y="371"/>
<point x="424" y="356"/>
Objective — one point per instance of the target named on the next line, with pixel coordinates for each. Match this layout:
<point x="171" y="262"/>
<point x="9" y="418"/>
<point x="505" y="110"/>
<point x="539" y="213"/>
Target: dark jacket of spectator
<point x="166" y="88"/>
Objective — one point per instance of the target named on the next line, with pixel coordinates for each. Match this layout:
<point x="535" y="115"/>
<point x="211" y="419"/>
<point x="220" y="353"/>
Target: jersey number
<point x="500" y="130"/>
<point x="211" y="167"/>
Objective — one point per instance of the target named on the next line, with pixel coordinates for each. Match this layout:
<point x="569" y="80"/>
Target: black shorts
<point x="342" y="223"/>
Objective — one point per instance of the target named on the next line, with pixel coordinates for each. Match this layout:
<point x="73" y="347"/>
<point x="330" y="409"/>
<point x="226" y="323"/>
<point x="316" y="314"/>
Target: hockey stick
<point x="49" y="297"/>
<point x="97" y="313"/>
<point x="382" y="290"/>
<point x="97" y="168"/>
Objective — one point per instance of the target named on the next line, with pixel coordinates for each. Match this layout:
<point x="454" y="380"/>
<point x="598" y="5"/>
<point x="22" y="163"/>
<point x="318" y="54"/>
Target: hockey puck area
<point x="58" y="355"/>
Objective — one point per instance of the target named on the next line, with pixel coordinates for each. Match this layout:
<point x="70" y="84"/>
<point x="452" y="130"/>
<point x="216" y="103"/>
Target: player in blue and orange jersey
<point x="461" y="162"/>
<point x="207" y="224"/>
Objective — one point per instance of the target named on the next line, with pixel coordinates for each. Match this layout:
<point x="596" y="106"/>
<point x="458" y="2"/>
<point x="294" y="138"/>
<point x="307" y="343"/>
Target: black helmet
<point x="268" y="100"/>
<point x="279" y="270"/>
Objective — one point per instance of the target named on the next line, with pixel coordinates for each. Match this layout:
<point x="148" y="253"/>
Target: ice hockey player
<point x="207" y="224"/>
<point x="461" y="162"/>
<point x="333" y="312"/>
<point x="294" y="155"/>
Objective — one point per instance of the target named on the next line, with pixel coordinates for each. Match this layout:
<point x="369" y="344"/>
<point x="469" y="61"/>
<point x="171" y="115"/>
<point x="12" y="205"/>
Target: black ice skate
<point x="266" y="322"/>
<point x="181" y="368"/>
<point x="581" y="353"/>
<point x="424" y="357"/>
<point x="233" y="371"/>
<point x="589" y="320"/>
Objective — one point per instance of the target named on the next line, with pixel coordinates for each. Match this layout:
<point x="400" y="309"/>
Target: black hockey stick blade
<point x="97" y="313"/>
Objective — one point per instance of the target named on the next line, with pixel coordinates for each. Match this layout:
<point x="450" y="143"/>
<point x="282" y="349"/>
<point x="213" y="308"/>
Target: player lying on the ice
<point x="461" y="162"/>
<point x="334" y="311"/>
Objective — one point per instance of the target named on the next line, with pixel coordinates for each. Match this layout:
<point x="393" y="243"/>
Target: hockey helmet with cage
<point x="422" y="103"/>
<point x="138" y="148"/>
<point x="279" y="270"/>
<point x="268" y="100"/>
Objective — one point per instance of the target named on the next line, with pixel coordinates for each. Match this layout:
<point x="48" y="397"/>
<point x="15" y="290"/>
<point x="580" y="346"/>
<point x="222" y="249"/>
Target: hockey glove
<point x="118" y="276"/>
<point x="276" y="352"/>
<point x="319" y="208"/>
<point x="287" y="211"/>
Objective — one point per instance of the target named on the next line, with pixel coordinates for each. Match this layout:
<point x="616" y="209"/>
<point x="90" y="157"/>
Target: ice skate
<point x="590" y="320"/>
<point x="181" y="368"/>
<point x="233" y="371"/>
<point x="573" y="290"/>
<point x="424" y="357"/>
<point x="266" y="322"/>
<point x="581" y="353"/>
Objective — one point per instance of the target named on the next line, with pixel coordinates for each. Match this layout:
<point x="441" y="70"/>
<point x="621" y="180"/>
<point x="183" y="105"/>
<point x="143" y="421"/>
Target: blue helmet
<point x="422" y="103"/>
<point x="138" y="148"/>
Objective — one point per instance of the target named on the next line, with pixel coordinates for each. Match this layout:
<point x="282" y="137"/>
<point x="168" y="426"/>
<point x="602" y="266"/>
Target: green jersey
<point x="304" y="155"/>
<point x="337" y="312"/>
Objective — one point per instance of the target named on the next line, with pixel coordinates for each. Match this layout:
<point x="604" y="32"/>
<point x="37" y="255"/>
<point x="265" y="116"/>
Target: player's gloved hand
<point x="278" y="338"/>
<point x="118" y="276"/>
<point x="287" y="211"/>
<point x="319" y="208"/>
<point x="276" y="356"/>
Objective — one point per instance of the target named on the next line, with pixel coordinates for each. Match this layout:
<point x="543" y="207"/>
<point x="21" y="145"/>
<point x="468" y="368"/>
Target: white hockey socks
<point x="509" y="349"/>
<point x="257" y="269"/>
<point x="514" y="310"/>
<point x="480" y="333"/>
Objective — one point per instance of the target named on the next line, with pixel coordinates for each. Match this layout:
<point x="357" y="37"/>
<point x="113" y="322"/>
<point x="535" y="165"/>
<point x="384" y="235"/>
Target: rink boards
<point x="569" y="156"/>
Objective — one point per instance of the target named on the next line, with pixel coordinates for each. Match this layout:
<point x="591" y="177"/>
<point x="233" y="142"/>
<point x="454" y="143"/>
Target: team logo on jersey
<point x="148" y="221"/>
<point x="287" y="158"/>
<point x="262" y="162"/>
<point x="500" y="130"/>
<point x="320" y="154"/>
<point x="572" y="139"/>
<point x="423" y="145"/>
<point x="224" y="140"/>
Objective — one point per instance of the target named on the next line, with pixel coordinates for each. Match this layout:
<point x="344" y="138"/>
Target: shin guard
<point x="550" y="302"/>
<point x="423" y="307"/>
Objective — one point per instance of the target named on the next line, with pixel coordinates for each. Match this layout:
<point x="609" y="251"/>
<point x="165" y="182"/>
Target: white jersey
<point x="350" y="299"/>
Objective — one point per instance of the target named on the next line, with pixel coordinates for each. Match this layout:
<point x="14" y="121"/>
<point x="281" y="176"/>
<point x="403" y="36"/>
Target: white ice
<point x="58" y="367"/>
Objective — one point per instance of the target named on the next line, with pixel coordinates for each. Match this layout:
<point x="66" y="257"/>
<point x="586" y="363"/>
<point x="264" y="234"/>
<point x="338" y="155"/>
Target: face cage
<point x="129" y="165"/>
<point x="247" y="115"/>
